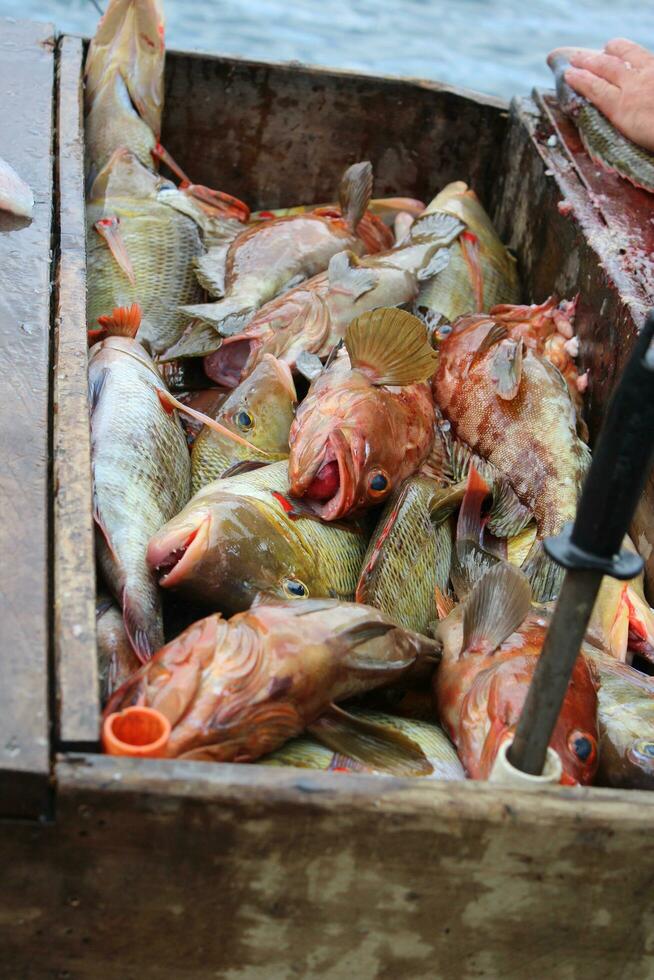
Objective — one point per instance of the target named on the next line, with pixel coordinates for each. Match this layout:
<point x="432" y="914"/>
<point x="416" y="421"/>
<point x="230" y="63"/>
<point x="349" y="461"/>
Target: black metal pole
<point x="591" y="548"/>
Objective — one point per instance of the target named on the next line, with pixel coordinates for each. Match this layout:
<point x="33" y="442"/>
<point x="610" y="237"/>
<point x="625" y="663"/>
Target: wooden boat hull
<point x="169" y="869"/>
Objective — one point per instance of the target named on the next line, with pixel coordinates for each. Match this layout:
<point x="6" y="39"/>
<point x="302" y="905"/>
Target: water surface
<point x="494" y="46"/>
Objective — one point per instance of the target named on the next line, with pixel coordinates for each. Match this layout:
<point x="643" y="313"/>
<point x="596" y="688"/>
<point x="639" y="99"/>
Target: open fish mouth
<point x="225" y="366"/>
<point x="331" y="489"/>
<point x="171" y="560"/>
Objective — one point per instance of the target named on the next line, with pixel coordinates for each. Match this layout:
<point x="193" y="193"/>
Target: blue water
<point x="494" y="46"/>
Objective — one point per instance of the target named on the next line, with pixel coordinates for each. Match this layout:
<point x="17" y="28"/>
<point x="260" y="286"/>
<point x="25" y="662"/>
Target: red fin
<point x="94" y="336"/>
<point x="444" y="603"/>
<point x="124" y="321"/>
<point x="160" y="153"/>
<point x="287" y="506"/>
<point x="471" y="253"/>
<point x="470" y="524"/>
<point x="107" y="228"/>
<point x="166" y="400"/>
<point x="217" y="203"/>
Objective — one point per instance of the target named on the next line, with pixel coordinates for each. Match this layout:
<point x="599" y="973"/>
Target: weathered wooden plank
<point x="74" y="566"/>
<point x="277" y="135"/>
<point x="547" y="215"/>
<point x="26" y="98"/>
<point x="162" y="870"/>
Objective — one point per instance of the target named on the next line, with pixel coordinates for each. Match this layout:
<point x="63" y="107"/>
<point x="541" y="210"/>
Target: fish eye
<point x="642" y="751"/>
<point x="294" y="588"/>
<point x="444" y="331"/>
<point x="378" y="483"/>
<point x="583" y="746"/>
<point x="244" y="420"/>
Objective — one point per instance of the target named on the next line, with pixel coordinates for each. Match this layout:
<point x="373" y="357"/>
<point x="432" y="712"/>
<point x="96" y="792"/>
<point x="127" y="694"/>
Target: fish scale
<point x="141" y="472"/>
<point x="161" y="244"/>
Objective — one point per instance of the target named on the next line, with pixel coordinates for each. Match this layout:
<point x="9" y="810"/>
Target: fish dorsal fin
<point x="355" y="192"/>
<point x="495" y="333"/>
<point x="506" y="370"/>
<point x="377" y="746"/>
<point x="496" y="607"/>
<point x="390" y="347"/>
<point x="123" y="321"/>
<point x="347" y="276"/>
<point x="438" y="226"/>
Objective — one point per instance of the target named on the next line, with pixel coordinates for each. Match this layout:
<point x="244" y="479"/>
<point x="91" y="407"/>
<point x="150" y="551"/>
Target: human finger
<point x="597" y="90"/>
<point x="568" y="53"/>
<point x="604" y="65"/>
<point x="635" y="54"/>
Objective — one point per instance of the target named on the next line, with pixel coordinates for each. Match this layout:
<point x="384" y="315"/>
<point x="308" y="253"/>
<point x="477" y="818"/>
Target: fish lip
<point x="337" y="449"/>
<point x="193" y="550"/>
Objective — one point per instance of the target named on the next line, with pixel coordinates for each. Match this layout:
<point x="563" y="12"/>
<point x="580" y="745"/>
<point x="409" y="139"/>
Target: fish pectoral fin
<point x="506" y="369"/>
<point x="308" y="365"/>
<point x="227" y="316"/>
<point x="375" y="746"/>
<point x="210" y="270"/>
<point x="169" y="403"/>
<point x="390" y="347"/>
<point x="438" y="261"/>
<point x="346" y="275"/>
<point x="543" y="573"/>
<point x="496" y="607"/>
<point x="470" y="560"/>
<point x="355" y="191"/>
<point x="444" y="603"/>
<point x="109" y="230"/>
<point x="198" y="340"/>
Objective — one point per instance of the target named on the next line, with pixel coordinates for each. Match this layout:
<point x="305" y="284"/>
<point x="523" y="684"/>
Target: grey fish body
<point x="141" y="478"/>
<point x="116" y="658"/>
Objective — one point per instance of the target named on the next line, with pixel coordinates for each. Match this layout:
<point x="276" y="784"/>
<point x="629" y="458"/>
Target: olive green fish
<point x="480" y="272"/>
<point x="626" y="722"/>
<point x="261" y="410"/>
<point x="306" y="752"/>
<point x="142" y="236"/>
<point x="602" y="141"/>
<point x="410" y="552"/>
<point x="239" y="537"/>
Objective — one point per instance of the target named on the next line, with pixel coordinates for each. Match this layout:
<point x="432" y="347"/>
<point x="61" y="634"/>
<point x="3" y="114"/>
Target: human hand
<point x="619" y="81"/>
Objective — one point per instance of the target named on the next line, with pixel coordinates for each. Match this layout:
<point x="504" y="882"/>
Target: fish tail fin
<point x="124" y="321"/>
<point x="496" y="607"/>
<point x="227" y="316"/>
<point x="544" y="574"/>
<point x="129" y="41"/>
<point x="355" y="192"/>
<point x="145" y="637"/>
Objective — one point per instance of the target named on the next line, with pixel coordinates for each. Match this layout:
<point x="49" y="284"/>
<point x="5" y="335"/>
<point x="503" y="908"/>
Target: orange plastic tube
<point x="136" y="731"/>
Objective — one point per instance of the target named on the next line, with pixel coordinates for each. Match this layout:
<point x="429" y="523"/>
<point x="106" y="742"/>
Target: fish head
<point x="462" y="341"/>
<point x="262" y="408"/>
<point x="124" y="176"/>
<point x="227" y="546"/>
<point x="342" y="459"/>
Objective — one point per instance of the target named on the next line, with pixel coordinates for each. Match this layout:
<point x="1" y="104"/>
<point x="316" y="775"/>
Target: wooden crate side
<point x="26" y="98"/>
<point x="237" y="872"/>
<point x="571" y="250"/>
<point x="278" y="135"/>
<point x="74" y="564"/>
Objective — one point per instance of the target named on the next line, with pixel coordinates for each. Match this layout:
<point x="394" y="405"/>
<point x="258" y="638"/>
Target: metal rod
<point x="553" y="670"/>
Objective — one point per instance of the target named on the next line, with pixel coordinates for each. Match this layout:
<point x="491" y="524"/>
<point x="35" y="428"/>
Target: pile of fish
<point x="327" y="446"/>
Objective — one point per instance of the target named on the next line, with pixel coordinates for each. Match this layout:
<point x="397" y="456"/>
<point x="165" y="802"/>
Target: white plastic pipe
<point x="504" y="772"/>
